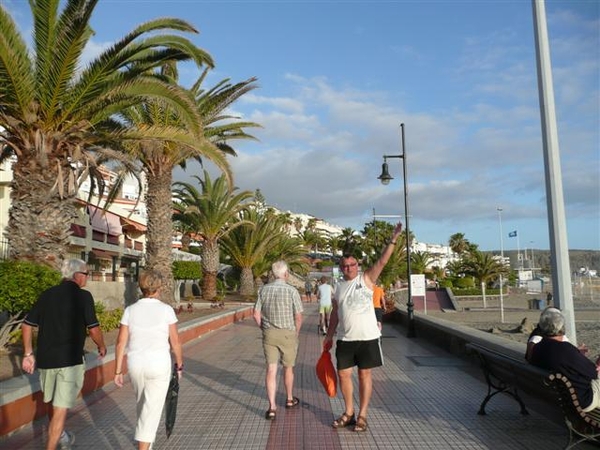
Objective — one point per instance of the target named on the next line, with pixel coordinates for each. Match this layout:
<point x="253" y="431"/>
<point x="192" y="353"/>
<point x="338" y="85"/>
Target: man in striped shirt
<point x="278" y="313"/>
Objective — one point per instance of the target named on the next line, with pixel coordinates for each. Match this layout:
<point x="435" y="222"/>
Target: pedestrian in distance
<point x="148" y="334"/>
<point x="324" y="297"/>
<point x="379" y="304"/>
<point x="308" y="288"/>
<point x="278" y="313"/>
<point x="63" y="316"/>
<point x="358" y="336"/>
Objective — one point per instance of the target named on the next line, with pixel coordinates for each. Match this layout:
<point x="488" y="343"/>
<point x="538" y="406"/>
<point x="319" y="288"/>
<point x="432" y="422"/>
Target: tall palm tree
<point x="249" y="244"/>
<point x="351" y="241"/>
<point x="419" y="261"/>
<point x="458" y="244"/>
<point x="159" y="157"/>
<point x="290" y="249"/>
<point x="485" y="268"/>
<point x="59" y="118"/>
<point x="211" y="212"/>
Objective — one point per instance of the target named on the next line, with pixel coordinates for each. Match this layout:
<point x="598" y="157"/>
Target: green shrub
<point x="109" y="319"/>
<point x="446" y="283"/>
<point x="187" y="270"/>
<point x="21" y="283"/>
<point x="464" y="283"/>
<point x="466" y="291"/>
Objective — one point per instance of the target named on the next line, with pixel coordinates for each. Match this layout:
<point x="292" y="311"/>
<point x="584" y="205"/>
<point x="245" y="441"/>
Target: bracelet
<point x="27" y="355"/>
<point x="391" y="242"/>
<point x="179" y="368"/>
<point x="118" y="373"/>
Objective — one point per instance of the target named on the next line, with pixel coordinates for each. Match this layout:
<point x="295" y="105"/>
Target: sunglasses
<point x="348" y="266"/>
<point x="84" y="273"/>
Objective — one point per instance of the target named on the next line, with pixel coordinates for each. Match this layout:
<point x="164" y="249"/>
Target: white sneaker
<point x="67" y="439"/>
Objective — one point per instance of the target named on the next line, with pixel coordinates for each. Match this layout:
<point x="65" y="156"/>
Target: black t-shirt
<point x="62" y="315"/>
<point x="564" y="357"/>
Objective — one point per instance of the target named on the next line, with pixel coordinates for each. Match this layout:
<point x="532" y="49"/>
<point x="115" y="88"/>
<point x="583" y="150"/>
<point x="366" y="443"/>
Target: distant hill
<point x="589" y="259"/>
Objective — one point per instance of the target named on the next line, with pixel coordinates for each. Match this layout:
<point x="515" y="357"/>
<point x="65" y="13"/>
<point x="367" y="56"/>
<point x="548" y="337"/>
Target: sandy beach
<point x="471" y="313"/>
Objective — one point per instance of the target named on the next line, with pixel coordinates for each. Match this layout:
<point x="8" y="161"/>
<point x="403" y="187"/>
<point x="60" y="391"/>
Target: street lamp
<point x="501" y="276"/>
<point x="385" y="179"/>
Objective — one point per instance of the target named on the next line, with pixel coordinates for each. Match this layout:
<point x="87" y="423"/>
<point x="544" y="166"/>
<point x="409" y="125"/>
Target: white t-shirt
<point x="148" y="320"/>
<point x="324" y="295"/>
<point x="356" y="313"/>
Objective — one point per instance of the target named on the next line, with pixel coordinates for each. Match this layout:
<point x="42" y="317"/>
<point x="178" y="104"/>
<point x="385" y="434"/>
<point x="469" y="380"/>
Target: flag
<point x="512" y="234"/>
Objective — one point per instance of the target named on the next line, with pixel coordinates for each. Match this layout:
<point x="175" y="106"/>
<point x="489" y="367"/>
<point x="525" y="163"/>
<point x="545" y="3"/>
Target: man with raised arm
<point x="358" y="343"/>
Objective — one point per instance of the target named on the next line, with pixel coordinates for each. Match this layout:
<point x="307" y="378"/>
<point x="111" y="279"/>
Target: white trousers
<point x="150" y="384"/>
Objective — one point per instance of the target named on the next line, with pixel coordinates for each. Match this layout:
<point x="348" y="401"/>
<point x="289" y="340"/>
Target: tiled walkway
<point x="423" y="399"/>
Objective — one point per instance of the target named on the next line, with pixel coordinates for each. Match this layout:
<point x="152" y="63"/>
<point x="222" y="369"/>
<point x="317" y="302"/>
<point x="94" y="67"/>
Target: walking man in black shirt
<point x="62" y="314"/>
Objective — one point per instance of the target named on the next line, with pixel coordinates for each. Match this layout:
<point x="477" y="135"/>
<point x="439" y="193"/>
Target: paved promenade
<point x="423" y="399"/>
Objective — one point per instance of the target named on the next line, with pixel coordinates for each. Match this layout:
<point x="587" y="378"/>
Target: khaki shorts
<point x="62" y="386"/>
<point x="280" y="345"/>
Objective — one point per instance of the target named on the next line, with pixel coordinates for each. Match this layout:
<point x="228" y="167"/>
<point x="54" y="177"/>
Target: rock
<point x="526" y="327"/>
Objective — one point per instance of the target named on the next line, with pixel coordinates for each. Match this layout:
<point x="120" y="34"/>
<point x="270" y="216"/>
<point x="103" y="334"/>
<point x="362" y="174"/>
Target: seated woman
<point x="556" y="355"/>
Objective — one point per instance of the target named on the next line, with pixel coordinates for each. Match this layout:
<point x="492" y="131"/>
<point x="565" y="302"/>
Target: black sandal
<point x="270" y="414"/>
<point x="292" y="403"/>
<point x="344" y="421"/>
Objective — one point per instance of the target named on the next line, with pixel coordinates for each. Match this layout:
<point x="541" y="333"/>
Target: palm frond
<point x="17" y="83"/>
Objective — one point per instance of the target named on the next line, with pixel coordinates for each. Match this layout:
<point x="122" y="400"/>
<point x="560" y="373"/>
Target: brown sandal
<point x="343" y="421"/>
<point x="361" y="424"/>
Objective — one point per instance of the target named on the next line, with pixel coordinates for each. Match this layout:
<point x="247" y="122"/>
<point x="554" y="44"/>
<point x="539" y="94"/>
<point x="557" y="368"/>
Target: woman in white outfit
<point x="148" y="330"/>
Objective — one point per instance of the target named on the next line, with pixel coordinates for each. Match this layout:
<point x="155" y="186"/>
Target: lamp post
<point x="501" y="276"/>
<point x="385" y="179"/>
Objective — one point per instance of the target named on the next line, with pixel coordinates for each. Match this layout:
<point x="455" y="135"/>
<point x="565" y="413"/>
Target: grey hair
<point x="279" y="268"/>
<point x="552" y="322"/>
<point x="71" y="266"/>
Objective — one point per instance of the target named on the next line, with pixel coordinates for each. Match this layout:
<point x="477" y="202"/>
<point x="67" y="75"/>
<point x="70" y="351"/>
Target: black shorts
<point x="364" y="354"/>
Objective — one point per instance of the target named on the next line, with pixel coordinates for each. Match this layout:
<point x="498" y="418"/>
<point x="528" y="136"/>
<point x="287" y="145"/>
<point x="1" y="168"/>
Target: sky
<point x="337" y="78"/>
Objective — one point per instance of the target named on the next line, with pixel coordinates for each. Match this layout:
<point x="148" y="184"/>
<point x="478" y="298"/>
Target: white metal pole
<point x="559" y="248"/>
<point x="501" y="276"/>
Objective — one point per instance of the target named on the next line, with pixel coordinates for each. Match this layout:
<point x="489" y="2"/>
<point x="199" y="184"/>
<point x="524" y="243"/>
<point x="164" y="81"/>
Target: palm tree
<point x="351" y="242"/>
<point x="290" y="249"/>
<point x="59" y="119"/>
<point x="485" y="268"/>
<point x="211" y="212"/>
<point x="420" y="261"/>
<point x="248" y="244"/>
<point x="458" y="243"/>
<point x="159" y="158"/>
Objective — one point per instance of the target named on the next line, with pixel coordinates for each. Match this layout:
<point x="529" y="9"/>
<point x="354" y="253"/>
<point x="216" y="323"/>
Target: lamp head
<point x="385" y="176"/>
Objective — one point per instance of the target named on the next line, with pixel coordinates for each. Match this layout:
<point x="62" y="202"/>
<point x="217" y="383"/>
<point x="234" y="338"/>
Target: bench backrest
<point x="569" y="403"/>
<point x="518" y="371"/>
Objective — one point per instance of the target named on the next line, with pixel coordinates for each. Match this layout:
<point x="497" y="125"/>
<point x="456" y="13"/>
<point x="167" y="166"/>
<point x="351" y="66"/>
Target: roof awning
<point x="128" y="223"/>
<point x="104" y="221"/>
<point x="104" y="254"/>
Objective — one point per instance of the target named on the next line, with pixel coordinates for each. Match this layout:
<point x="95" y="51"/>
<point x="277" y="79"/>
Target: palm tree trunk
<point x="39" y="223"/>
<point x="160" y="230"/>
<point x="246" y="282"/>
<point x="210" y="267"/>
<point x="483" y="294"/>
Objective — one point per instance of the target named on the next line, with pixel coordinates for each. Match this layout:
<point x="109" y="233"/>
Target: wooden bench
<point x="506" y="374"/>
<point x="583" y="426"/>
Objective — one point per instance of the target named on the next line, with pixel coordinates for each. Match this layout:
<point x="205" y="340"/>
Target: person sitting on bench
<point x="554" y="354"/>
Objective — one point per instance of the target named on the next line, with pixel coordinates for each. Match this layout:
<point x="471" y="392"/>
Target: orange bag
<point x="326" y="373"/>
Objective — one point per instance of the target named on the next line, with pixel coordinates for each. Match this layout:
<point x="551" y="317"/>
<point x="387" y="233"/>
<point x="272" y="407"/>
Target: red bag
<point x="326" y="373"/>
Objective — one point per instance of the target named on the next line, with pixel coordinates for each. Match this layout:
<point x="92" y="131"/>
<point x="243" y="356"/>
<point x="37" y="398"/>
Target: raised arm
<point x="372" y="273"/>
